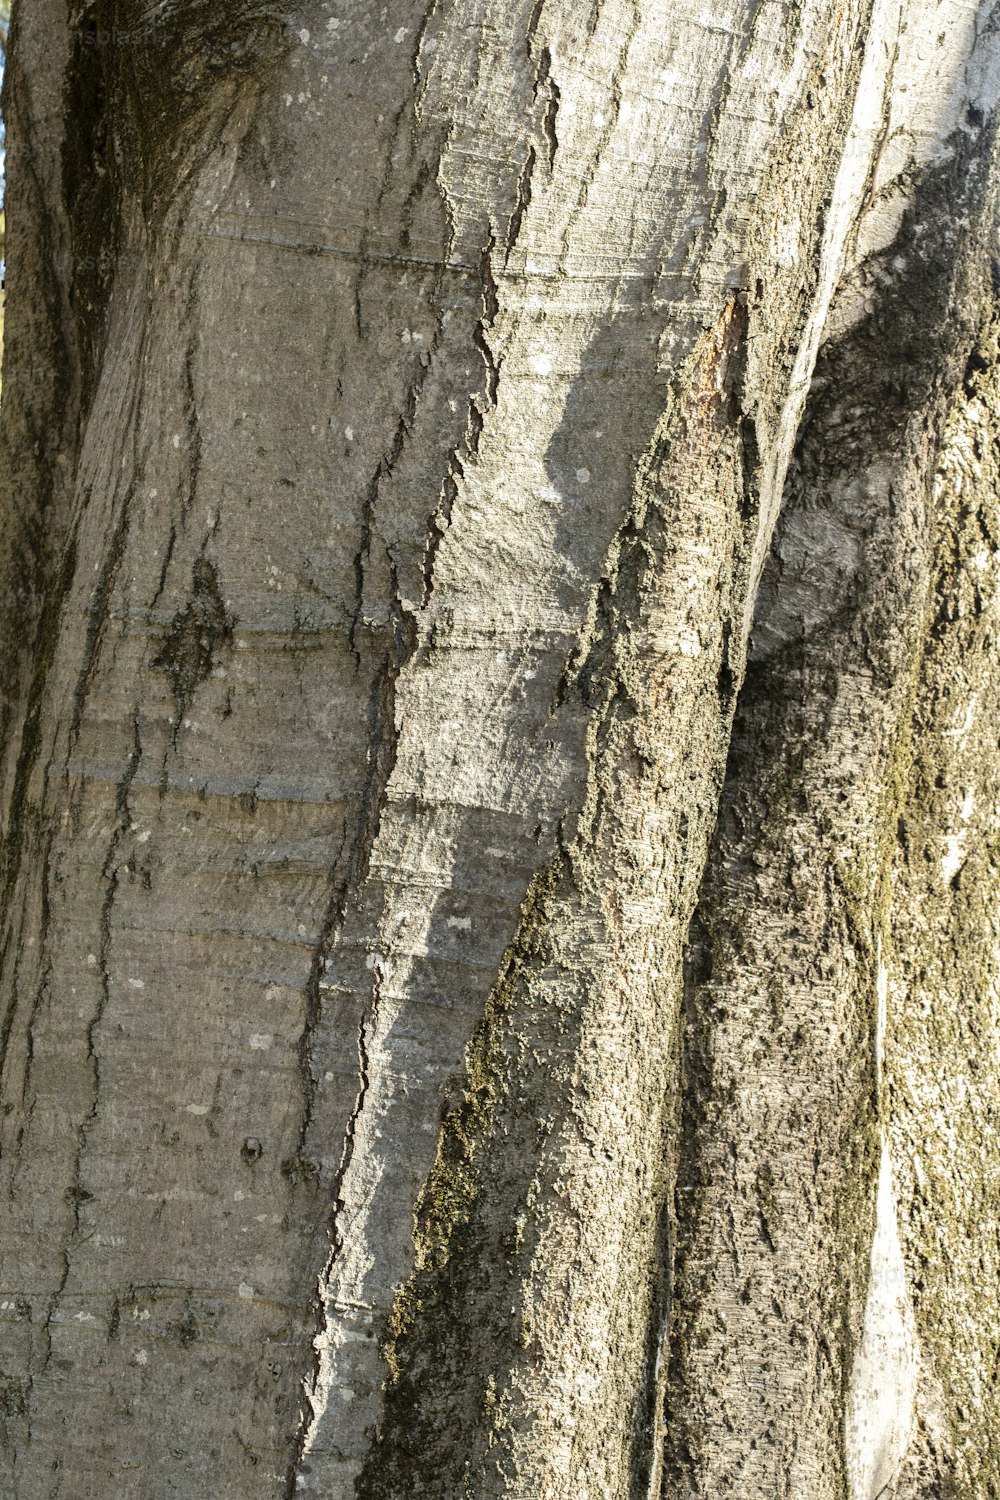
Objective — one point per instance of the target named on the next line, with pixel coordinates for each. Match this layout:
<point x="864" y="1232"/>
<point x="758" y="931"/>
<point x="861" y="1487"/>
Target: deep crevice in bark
<point x="807" y="828"/>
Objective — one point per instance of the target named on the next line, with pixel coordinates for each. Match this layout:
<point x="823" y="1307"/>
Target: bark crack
<point x="77" y="1195"/>
<point x="418" y="45"/>
<point x="546" y="82"/>
<point x="165" y="569"/>
<point x="40" y="996"/>
<point x="521" y="204"/>
<point x="372" y="216"/>
<point x="192" y="422"/>
<point x="366" y="1030"/>
<point x="332" y="922"/>
<point x="440" y="519"/>
<point x="602" y="138"/>
<point x="97" y="620"/>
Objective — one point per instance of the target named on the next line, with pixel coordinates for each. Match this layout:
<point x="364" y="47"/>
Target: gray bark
<point x="498" y="750"/>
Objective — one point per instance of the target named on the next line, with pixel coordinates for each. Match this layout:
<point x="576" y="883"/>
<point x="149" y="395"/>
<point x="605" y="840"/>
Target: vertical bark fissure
<point x="334" y="1235"/>
<point x="440" y="518"/>
<point x="332" y="920"/>
<point x="191" y="406"/>
<point x="606" y="129"/>
<point x="97" y="621"/>
<point x="76" y="1192"/>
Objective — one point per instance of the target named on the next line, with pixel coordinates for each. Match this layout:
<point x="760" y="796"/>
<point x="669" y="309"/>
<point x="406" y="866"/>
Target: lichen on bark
<point x="943" y="1005"/>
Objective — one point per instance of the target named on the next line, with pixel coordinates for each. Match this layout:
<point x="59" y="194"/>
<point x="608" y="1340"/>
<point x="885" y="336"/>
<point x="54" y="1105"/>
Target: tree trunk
<point x="500" y="611"/>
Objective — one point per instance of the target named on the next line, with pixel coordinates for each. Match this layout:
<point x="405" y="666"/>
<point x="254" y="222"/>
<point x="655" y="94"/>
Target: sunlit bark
<point x="498" y="583"/>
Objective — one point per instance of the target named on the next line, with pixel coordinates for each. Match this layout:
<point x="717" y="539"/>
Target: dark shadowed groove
<point x="448" y="1239"/>
<point x="881" y="394"/>
<point x="19" y="813"/>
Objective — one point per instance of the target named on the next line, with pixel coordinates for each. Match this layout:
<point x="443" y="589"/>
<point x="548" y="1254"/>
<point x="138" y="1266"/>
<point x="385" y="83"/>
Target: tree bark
<point x="499" y="622"/>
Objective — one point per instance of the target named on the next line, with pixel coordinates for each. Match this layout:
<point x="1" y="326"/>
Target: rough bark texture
<point x="941" y="988"/>
<point x="465" y="1030"/>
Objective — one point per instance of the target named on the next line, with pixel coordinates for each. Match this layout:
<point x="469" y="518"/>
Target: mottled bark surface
<point x="942" y="1015"/>
<point x="414" y="421"/>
